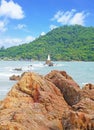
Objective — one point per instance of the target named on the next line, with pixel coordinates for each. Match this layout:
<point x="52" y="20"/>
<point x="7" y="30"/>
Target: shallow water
<point x="82" y="72"/>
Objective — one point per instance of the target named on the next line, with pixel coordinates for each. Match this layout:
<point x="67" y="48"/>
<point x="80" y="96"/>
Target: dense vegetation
<point x="63" y="43"/>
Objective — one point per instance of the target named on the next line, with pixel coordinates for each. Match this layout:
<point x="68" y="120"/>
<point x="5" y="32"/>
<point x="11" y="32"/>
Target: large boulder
<point x="51" y="102"/>
<point x="34" y="103"/>
<point x="82" y="115"/>
<point x="69" y="88"/>
<point x="86" y="103"/>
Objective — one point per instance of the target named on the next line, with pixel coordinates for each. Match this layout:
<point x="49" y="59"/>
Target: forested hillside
<point x="63" y="43"/>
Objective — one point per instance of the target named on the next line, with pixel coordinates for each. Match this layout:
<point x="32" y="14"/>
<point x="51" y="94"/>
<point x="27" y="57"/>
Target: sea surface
<point x="81" y="72"/>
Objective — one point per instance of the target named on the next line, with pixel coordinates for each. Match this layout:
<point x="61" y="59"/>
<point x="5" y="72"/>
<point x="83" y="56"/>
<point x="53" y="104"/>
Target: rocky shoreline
<point x="51" y="102"/>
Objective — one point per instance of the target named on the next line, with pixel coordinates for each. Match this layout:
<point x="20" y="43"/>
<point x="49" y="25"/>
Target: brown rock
<point x="86" y="103"/>
<point x="37" y="103"/>
<point x="84" y="107"/>
<point x="89" y="93"/>
<point x="34" y="103"/>
<point x="88" y="86"/>
<point x="77" y="121"/>
<point x="82" y="102"/>
<point x="14" y="77"/>
<point x="69" y="88"/>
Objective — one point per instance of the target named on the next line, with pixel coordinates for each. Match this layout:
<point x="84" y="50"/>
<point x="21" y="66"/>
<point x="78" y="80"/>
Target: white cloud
<point x="29" y="39"/>
<point x="70" y="17"/>
<point x="2" y="26"/>
<point x="52" y="27"/>
<point x="11" y="10"/>
<point x="20" y="26"/>
<point x="57" y="15"/>
<point x="43" y="33"/>
<point x="78" y="18"/>
<point x="8" y="42"/>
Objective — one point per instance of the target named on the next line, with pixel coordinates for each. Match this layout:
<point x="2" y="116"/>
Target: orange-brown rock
<point x="86" y="108"/>
<point x="86" y="103"/>
<point x="77" y="121"/>
<point x="34" y="103"/>
<point x="51" y="102"/>
<point x="81" y="117"/>
<point x="69" y="88"/>
<point x="14" y="77"/>
<point x="88" y="86"/>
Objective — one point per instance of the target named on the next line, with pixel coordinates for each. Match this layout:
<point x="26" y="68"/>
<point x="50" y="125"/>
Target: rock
<point x="86" y="103"/>
<point x="88" y="86"/>
<point x="82" y="116"/>
<point x="49" y="63"/>
<point x="77" y="121"/>
<point x="51" y="102"/>
<point x="14" y="77"/>
<point x="18" y="69"/>
<point x="34" y="103"/>
<point x="87" y="93"/>
<point x="69" y="88"/>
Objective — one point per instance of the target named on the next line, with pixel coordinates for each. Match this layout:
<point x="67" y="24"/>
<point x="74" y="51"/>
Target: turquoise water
<point x="81" y="72"/>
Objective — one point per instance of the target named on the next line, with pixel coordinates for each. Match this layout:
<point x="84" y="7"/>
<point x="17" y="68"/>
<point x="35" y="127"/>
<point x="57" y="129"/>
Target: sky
<point x="22" y="21"/>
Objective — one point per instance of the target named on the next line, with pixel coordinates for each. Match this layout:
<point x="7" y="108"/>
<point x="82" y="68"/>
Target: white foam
<point x="85" y="83"/>
<point x="58" y="64"/>
<point x="38" y="65"/>
<point x="5" y="74"/>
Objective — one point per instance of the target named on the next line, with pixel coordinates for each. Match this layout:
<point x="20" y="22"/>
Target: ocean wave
<point x="84" y="83"/>
<point x="5" y="74"/>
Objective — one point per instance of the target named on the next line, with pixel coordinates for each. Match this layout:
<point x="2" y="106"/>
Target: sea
<point x="82" y="72"/>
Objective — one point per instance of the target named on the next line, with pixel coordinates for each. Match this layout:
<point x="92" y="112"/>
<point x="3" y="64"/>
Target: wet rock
<point x="49" y="63"/>
<point x="18" y="69"/>
<point x="14" y="77"/>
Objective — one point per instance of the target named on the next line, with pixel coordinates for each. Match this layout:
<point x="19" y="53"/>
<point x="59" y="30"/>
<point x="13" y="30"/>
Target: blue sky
<point x="22" y="21"/>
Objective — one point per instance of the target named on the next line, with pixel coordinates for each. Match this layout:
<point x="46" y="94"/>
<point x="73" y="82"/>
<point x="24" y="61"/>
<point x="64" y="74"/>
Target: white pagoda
<point x="48" y="61"/>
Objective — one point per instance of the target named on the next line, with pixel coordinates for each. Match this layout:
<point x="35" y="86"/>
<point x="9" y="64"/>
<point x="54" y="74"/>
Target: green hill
<point x="63" y="43"/>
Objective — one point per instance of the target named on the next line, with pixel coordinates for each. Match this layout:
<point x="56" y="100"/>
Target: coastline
<point x="82" y="72"/>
